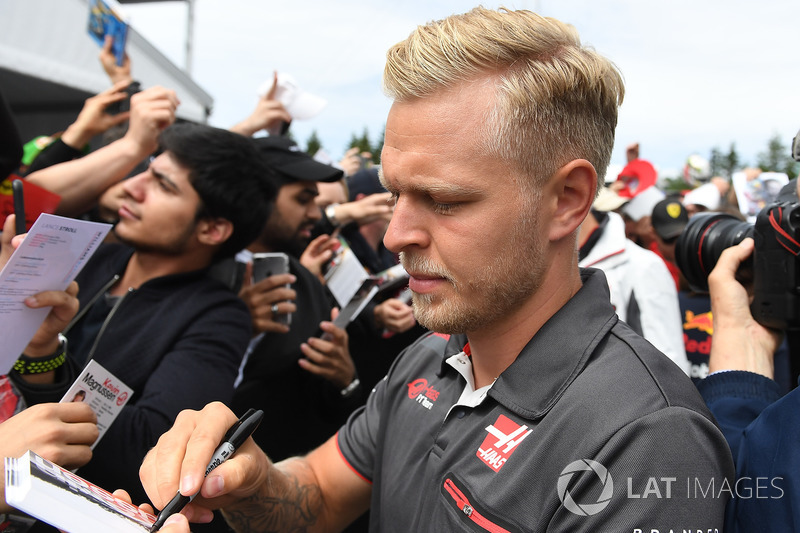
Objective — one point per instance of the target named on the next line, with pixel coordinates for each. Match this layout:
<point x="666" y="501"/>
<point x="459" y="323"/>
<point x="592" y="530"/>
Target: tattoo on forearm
<point x="285" y="505"/>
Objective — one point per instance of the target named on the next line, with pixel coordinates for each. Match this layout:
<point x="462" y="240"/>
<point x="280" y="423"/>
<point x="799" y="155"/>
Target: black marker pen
<point x="235" y="437"/>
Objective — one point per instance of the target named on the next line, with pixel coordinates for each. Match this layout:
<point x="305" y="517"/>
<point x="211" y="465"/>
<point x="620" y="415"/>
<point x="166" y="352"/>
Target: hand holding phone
<point x="271" y="264"/>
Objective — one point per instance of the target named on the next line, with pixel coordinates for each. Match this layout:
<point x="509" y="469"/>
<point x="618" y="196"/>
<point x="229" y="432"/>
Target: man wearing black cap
<point x="307" y="385"/>
<point x="668" y="219"/>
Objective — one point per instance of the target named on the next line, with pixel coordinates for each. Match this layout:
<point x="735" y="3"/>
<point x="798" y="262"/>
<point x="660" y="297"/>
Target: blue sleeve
<point x="767" y="494"/>
<point x="736" y="398"/>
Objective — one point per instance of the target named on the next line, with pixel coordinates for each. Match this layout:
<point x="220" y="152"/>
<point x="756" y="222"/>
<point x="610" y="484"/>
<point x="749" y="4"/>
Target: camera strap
<point x="781" y="235"/>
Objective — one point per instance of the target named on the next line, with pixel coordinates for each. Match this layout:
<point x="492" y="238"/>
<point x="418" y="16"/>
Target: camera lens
<point x="705" y="237"/>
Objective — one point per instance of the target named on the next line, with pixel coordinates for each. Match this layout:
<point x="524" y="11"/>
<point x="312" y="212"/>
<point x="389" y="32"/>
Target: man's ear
<point x="214" y="231"/>
<point x="573" y="189"/>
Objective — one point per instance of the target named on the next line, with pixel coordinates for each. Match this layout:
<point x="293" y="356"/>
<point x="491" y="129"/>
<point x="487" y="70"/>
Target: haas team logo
<point x="503" y="438"/>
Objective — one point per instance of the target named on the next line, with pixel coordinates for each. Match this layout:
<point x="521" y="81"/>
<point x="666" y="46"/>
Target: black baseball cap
<point x="364" y="181"/>
<point x="669" y="218"/>
<point x="292" y="164"/>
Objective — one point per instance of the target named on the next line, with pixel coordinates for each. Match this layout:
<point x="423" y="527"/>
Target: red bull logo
<point x="703" y="322"/>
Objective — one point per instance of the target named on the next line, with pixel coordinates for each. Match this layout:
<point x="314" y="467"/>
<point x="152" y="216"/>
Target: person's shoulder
<point x="427" y="353"/>
<point x="628" y="362"/>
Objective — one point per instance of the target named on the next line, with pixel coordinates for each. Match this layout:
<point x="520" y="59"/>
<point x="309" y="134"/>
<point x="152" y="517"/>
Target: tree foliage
<point x="777" y="158"/>
<point x="313" y="143"/>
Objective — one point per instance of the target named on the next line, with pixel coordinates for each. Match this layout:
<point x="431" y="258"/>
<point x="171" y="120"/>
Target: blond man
<point x="532" y="404"/>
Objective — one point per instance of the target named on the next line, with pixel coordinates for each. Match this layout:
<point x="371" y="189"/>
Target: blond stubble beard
<point x="496" y="292"/>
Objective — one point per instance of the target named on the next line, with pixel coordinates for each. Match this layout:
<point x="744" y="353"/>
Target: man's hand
<point x="261" y="296"/>
<point x="329" y="357"/>
<point x="177" y="523"/>
<point x="59" y="432"/>
<point x="152" y="110"/>
<point x="64" y="306"/>
<point x="255" y="495"/>
<point x="93" y="119"/>
<point x="395" y="315"/>
<point x="738" y="342"/>
<point x="268" y="114"/>
<point x="64" y="303"/>
<point x="8" y="241"/>
<point x="318" y="253"/>
<point x="181" y="455"/>
<point x="116" y="73"/>
<point x="365" y="210"/>
<point x="351" y="161"/>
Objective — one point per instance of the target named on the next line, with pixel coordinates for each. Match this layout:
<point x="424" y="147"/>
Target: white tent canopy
<point x="49" y="65"/>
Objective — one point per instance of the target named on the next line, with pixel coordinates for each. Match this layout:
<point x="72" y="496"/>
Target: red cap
<point x="637" y="176"/>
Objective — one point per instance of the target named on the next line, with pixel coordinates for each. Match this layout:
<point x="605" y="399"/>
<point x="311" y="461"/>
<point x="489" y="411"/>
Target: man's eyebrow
<point x="313" y="191"/>
<point x="434" y="188"/>
<point x="160" y="176"/>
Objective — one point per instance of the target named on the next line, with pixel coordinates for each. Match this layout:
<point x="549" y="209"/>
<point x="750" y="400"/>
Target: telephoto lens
<point x="705" y="237"/>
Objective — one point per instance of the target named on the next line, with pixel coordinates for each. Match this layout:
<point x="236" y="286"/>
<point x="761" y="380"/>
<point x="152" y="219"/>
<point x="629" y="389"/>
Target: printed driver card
<point x="104" y="393"/>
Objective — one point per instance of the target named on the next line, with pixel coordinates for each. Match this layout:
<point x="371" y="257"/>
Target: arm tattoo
<point x="282" y="505"/>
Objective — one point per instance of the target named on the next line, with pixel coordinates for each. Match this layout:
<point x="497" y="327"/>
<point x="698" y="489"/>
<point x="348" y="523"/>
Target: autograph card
<point x="104" y="393"/>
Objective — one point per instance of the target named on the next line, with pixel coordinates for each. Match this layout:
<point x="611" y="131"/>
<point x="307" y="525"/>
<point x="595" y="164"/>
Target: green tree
<point x="730" y="162"/>
<point x="354" y="140"/>
<point x="777" y="158"/>
<point x="376" y="155"/>
<point x="362" y="143"/>
<point x="773" y="159"/>
<point x="675" y="184"/>
<point x="313" y="143"/>
<point x="716" y="162"/>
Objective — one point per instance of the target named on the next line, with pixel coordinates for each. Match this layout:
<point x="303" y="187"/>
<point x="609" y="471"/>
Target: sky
<point x="699" y="74"/>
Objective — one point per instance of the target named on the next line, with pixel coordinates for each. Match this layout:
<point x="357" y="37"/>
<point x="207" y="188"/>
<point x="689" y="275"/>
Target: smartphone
<point x="20" y="225"/>
<point x="271" y="264"/>
<point x="115" y="108"/>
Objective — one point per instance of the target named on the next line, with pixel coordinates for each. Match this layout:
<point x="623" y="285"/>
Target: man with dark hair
<point x="149" y="313"/>
<point x="293" y="360"/>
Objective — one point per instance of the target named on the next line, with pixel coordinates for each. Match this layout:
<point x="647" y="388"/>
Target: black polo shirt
<point x="590" y="429"/>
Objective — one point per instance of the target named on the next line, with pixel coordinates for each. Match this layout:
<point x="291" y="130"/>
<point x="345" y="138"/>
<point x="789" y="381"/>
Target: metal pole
<point x="189" y="35"/>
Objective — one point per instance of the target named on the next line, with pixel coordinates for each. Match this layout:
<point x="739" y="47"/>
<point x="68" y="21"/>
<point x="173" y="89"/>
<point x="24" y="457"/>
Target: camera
<point x="116" y="108"/>
<point x="773" y="271"/>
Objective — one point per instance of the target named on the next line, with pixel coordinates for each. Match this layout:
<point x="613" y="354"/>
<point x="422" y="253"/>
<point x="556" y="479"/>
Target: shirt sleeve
<point x="736" y="398"/>
<point x="670" y="471"/>
<point x="358" y="440"/>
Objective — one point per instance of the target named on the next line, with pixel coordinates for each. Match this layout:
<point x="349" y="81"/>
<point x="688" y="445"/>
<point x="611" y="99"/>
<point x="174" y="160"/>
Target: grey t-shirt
<point x="590" y="429"/>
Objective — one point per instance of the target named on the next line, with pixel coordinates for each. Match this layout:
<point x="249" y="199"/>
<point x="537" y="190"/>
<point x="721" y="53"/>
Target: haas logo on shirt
<point x="503" y="438"/>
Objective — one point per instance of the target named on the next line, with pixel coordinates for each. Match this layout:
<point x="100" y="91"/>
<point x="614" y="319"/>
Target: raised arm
<point x="80" y="182"/>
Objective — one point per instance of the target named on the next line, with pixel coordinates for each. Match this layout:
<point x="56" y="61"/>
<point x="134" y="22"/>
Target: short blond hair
<point x="556" y="101"/>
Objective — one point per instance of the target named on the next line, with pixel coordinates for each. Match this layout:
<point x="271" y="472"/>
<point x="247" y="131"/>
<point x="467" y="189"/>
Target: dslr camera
<point x="772" y="273"/>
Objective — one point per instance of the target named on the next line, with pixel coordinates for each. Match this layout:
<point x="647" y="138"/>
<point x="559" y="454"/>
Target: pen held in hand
<point x="19" y="207"/>
<point x="241" y="430"/>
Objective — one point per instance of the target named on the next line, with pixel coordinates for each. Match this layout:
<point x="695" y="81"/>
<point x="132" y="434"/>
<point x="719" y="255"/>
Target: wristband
<point x="38" y="365"/>
<point x="350" y="389"/>
<point x="330" y="214"/>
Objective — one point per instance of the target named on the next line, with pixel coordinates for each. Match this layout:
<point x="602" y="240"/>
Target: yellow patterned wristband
<point x="39" y="365"/>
